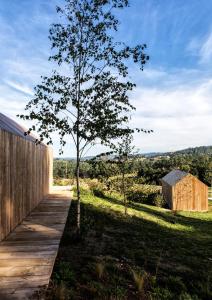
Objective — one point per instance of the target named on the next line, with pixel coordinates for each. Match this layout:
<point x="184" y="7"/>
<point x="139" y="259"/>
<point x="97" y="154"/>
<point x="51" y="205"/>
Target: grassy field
<point x="148" y="254"/>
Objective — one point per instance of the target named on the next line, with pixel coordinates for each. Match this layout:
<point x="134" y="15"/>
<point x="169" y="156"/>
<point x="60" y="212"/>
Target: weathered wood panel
<point x="28" y="254"/>
<point x="25" y="178"/>
<point x="200" y="195"/>
<point x="188" y="194"/>
<point x="167" y="193"/>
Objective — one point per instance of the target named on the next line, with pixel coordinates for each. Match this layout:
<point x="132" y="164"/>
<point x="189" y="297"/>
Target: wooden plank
<point x="49" y="226"/>
<point x="32" y="243"/>
<point x="47" y="213"/>
<point x="18" y="294"/>
<point x="52" y="209"/>
<point x="29" y="236"/>
<point x="54" y="202"/>
<point x="27" y="256"/>
<point x="22" y="281"/>
<point x="15" y="262"/>
<point x="35" y="254"/>
<point x="27" y="248"/>
<point x="38" y="227"/>
<point x="46" y="221"/>
<point x="19" y="271"/>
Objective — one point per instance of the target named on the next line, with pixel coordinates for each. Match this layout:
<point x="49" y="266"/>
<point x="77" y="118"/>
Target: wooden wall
<point x="25" y="178"/>
<point x="167" y="193"/>
<point x="189" y="194"/>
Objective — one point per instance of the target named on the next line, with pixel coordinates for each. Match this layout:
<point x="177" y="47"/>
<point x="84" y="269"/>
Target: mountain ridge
<point x="190" y="150"/>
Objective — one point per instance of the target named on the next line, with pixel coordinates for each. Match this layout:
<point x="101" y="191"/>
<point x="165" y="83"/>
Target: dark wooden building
<point x="183" y="191"/>
<point x="25" y="174"/>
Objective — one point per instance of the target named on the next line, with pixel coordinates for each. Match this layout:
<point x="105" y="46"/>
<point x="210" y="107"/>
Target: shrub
<point x="143" y="194"/>
<point x="92" y="184"/>
<point x="96" y="187"/>
<point x="83" y="190"/>
<point x="63" y="181"/>
<point x="159" y="200"/>
<point x="98" y="192"/>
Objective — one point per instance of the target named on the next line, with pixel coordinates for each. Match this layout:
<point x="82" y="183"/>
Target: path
<point x="28" y="254"/>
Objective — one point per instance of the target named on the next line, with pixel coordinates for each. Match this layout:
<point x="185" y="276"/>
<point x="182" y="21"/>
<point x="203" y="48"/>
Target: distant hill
<point x="153" y="154"/>
<point x="194" y="150"/>
<point x="73" y="158"/>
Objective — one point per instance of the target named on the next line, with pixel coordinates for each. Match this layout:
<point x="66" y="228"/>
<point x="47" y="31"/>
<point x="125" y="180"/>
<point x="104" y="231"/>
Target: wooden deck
<point x="28" y="254"/>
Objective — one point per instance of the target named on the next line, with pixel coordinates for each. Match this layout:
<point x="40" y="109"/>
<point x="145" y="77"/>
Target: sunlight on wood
<point x="27" y="256"/>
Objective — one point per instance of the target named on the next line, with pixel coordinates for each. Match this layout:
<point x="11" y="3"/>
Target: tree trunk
<point x="78" y="186"/>
<point x="124" y="193"/>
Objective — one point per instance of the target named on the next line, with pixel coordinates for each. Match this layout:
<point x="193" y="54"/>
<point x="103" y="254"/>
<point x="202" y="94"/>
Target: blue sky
<point x="174" y="93"/>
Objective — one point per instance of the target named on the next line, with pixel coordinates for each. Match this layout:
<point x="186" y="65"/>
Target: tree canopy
<point x="86" y="96"/>
<point x="90" y="98"/>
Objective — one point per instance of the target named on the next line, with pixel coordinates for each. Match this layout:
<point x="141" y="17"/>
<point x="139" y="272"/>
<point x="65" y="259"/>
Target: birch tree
<point x="86" y="98"/>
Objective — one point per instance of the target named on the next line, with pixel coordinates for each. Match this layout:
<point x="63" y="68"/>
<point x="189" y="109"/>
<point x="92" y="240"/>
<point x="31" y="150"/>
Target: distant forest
<point x="149" y="169"/>
<point x="194" y="150"/>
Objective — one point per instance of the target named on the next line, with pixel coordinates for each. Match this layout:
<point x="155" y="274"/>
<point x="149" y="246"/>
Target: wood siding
<point x="189" y="194"/>
<point x="167" y="193"/>
<point x="25" y="178"/>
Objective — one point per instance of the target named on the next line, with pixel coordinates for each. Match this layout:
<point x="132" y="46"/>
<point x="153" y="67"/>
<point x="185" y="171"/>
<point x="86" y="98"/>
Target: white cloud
<point x="179" y="112"/>
<point x="180" y="115"/>
<point x="176" y="104"/>
<point x="20" y="87"/>
<point x="150" y="73"/>
<point x="201" y="48"/>
<point x="206" y="50"/>
<point x="194" y="46"/>
<point x="11" y="101"/>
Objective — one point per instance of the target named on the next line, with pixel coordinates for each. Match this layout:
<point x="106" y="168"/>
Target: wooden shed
<point x="183" y="191"/>
<point x="25" y="174"/>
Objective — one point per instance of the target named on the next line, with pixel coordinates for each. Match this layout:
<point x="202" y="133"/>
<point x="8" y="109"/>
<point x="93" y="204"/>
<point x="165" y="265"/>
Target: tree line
<point x="148" y="170"/>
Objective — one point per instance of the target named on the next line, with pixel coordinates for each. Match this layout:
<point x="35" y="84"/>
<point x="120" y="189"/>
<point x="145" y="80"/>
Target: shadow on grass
<point x="132" y="242"/>
<point x="198" y="225"/>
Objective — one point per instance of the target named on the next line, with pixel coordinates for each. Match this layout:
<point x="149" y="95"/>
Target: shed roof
<point x="11" y="126"/>
<point x="174" y="176"/>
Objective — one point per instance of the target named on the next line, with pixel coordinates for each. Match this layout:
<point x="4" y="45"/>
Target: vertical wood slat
<point x="25" y="178"/>
<point x="189" y="194"/>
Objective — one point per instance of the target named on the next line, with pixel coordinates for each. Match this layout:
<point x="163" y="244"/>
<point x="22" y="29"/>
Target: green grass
<point x="149" y="254"/>
<point x="62" y="181"/>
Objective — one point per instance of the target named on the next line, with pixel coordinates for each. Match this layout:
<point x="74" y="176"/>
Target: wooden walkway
<point x="28" y="254"/>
